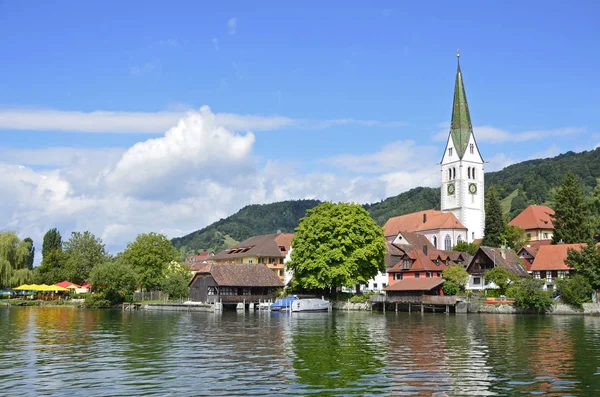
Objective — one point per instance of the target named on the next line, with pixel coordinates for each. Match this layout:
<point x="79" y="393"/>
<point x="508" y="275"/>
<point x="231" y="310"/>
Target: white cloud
<point x="397" y="156"/>
<point x="28" y="119"/>
<point x="496" y="135"/>
<point x="232" y="26"/>
<point x="215" y="43"/>
<point x="59" y="156"/>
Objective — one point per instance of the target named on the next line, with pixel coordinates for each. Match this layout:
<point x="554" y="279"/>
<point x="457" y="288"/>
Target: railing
<point x="425" y="299"/>
<point x="238" y="298"/>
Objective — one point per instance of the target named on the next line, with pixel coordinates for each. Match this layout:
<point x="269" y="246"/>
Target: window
<point x="397" y="276"/>
<point x="374" y="285"/>
<point x="228" y="291"/>
<point x="548" y="277"/>
<point x="428" y="274"/>
<point x="406" y="264"/>
<point x="453" y="173"/>
<point x="545" y="236"/>
<point x="417" y="275"/>
<point x="439" y="274"/>
<point x="249" y="260"/>
<point x="281" y="248"/>
<point x="434" y="241"/>
<point x="459" y="239"/>
<point x="449" y="174"/>
<point x="211" y="291"/>
<point x="281" y="261"/>
<point x="447" y="262"/>
<point x="447" y="242"/>
<point x="473" y="172"/>
<point x="528" y="236"/>
<point x="473" y="236"/>
<point x="476" y="280"/>
<point x="383" y="285"/>
<point x="562" y="273"/>
<point x="536" y="275"/>
<point x="450" y="152"/>
<point x="469" y="172"/>
<point x="261" y="260"/>
<point x="247" y="291"/>
<point x="472" y="148"/>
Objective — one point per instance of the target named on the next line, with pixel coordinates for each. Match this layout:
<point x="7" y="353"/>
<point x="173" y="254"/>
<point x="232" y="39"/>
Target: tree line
<point x="148" y="263"/>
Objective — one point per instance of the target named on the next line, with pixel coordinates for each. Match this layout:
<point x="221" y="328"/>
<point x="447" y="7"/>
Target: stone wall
<point x="351" y="306"/>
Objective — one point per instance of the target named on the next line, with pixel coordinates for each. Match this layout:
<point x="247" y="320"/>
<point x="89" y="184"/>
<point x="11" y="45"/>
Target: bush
<point x="80" y="296"/>
<point x="98" y="301"/>
<point x="493" y="293"/>
<point x="114" y="281"/>
<point x="575" y="290"/>
<point x="528" y="294"/>
<point x="457" y="276"/>
<point x="451" y="288"/>
<point x="176" y="285"/>
<point x="362" y="298"/>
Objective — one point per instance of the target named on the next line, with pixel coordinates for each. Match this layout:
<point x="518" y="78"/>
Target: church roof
<point x="420" y="221"/>
<point x="460" y="127"/>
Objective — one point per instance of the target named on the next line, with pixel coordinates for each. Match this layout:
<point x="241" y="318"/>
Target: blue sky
<point x="345" y="101"/>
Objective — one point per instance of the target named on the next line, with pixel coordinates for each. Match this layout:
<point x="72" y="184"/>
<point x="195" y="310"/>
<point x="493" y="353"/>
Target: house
<point x="529" y="251"/>
<point x="549" y="263"/>
<point x="202" y="257"/>
<point x="233" y="283"/>
<point x="272" y="250"/>
<point x="416" y="287"/>
<point x="487" y="258"/>
<point x="536" y="220"/>
<point x="442" y="229"/>
<point x="416" y="264"/>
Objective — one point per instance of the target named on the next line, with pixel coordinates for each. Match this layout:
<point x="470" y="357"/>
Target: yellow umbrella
<point x="24" y="287"/>
<point x="57" y="288"/>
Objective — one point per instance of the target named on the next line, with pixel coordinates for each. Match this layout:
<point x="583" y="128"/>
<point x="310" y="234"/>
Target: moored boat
<point x="283" y="304"/>
<point x="310" y="305"/>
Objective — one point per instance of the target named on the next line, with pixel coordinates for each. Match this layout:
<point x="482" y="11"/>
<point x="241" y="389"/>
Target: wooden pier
<point x="418" y="303"/>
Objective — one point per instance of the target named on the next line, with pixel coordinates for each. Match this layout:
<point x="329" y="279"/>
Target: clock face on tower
<point x="451" y="188"/>
<point x="472" y="188"/>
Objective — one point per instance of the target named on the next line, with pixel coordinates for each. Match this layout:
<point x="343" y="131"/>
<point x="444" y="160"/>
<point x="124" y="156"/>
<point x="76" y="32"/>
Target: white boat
<point x="310" y="305"/>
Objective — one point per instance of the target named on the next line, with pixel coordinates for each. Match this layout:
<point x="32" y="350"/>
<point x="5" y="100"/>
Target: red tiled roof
<point x="420" y="221"/>
<point x="552" y="257"/>
<point x="241" y="275"/>
<point x="267" y="245"/>
<point x="66" y="284"/>
<point x="415" y="284"/>
<point x="534" y="217"/>
<point x="420" y="262"/>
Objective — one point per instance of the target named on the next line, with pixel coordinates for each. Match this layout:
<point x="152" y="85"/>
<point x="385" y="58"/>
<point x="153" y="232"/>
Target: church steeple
<point x="460" y="127"/>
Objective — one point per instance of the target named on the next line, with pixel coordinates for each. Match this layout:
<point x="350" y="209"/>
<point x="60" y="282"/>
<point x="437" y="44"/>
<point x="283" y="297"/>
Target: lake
<point x="80" y="352"/>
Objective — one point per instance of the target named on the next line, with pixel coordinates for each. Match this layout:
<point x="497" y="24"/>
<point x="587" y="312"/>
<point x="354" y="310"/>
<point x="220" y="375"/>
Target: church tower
<point x="462" y="167"/>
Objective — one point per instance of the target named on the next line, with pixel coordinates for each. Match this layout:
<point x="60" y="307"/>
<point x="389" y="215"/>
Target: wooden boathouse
<point x="234" y="283"/>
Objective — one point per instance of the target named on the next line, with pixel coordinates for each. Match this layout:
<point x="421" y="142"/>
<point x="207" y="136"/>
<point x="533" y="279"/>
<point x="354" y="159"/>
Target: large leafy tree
<point x="501" y="277"/>
<point x="337" y="245"/>
<point x="149" y="255"/>
<point x="514" y="237"/>
<point x="571" y="213"/>
<point x="455" y="279"/>
<point x="494" y="220"/>
<point x="82" y="252"/>
<point x="594" y="204"/>
<point x="115" y="281"/>
<point x="13" y="258"/>
<point x="469" y="248"/>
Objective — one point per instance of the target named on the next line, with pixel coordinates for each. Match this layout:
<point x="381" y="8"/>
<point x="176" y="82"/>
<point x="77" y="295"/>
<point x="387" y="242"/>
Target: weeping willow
<point x="13" y="260"/>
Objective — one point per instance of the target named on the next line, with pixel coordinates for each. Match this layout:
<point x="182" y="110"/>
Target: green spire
<point x="460" y="128"/>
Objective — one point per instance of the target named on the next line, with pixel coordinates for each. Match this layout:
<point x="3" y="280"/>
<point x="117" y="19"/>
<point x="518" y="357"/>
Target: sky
<point x="129" y="117"/>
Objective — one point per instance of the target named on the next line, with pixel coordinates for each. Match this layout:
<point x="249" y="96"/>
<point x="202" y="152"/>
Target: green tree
<point x="514" y="237"/>
<point x="455" y="277"/>
<point x="82" y="252"/>
<point x="586" y="262"/>
<point x="337" y="245"/>
<point x="150" y="255"/>
<point x="575" y="290"/>
<point x="31" y="256"/>
<point x="528" y="294"/>
<point x="52" y="269"/>
<point x="52" y="241"/>
<point x="594" y="205"/>
<point x="494" y="220"/>
<point x="571" y="213"/>
<point x="501" y="277"/>
<point x="13" y="257"/>
<point x="469" y="248"/>
<point x="176" y="286"/>
<point x="114" y="282"/>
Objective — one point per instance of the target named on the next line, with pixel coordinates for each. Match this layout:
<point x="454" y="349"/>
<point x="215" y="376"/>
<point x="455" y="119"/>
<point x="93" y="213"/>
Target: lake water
<point x="77" y="352"/>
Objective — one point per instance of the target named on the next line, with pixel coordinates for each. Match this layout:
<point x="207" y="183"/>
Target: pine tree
<point x="571" y="213"/>
<point x="494" y="220"/>
<point x="52" y="241"/>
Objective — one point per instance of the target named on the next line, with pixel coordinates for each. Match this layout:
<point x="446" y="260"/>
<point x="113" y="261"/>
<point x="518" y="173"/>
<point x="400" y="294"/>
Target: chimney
<point x="425" y="249"/>
<point x="503" y="252"/>
<point x="278" y="231"/>
<point x="424" y="218"/>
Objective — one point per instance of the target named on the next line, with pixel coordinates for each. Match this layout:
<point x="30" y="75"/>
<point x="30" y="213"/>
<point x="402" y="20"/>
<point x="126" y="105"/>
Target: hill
<point x="529" y="182"/>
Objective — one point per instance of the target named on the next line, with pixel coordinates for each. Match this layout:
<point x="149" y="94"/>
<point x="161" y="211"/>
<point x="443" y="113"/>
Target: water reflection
<point x="59" y="351"/>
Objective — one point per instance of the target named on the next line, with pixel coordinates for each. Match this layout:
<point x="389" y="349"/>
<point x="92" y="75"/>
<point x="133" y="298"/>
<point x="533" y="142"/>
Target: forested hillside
<point x="518" y="185"/>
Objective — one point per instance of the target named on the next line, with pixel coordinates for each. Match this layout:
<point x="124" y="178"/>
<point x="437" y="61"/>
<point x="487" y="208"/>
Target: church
<point x="462" y="215"/>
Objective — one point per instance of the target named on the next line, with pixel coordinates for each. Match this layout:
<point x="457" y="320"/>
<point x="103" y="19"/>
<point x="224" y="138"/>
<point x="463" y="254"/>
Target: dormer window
<point x="406" y="264"/>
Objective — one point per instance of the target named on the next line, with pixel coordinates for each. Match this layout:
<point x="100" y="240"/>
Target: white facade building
<point x="462" y="190"/>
